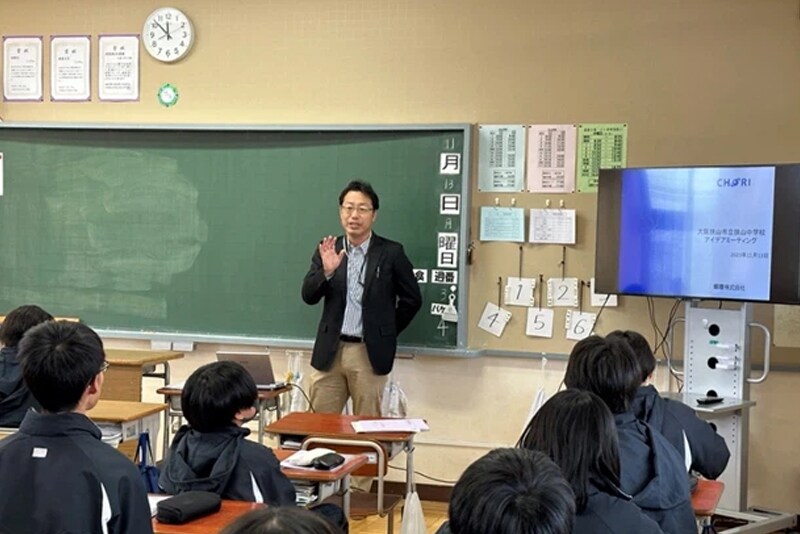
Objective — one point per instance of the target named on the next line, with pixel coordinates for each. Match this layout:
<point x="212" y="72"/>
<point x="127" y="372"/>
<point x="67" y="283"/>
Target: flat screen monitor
<point x="727" y="233"/>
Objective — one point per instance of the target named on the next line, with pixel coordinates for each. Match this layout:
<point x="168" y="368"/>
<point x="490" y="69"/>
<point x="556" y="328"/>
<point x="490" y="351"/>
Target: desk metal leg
<point x="409" y="448"/>
<point x="261" y="408"/>
<point x="346" y="496"/>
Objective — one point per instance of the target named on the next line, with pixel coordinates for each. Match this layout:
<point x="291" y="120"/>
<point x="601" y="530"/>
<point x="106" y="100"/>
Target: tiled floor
<point x="435" y="515"/>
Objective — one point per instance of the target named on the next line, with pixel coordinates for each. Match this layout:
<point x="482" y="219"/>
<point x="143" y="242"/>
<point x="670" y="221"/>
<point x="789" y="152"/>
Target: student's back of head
<point x="576" y="429"/>
<point x="608" y="368"/>
<point x="641" y="349"/>
<point x="215" y="393"/>
<point x="281" y="520"/>
<point x="19" y="321"/>
<point x="512" y="491"/>
<point x="59" y="360"/>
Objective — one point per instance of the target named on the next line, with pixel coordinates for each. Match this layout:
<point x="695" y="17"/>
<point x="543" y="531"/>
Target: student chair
<point x="704" y="501"/>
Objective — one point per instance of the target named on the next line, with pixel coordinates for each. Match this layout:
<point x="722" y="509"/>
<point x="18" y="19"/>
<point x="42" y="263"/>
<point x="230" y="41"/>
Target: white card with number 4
<point x="540" y="322"/>
<point x="580" y="324"/>
<point x="494" y="319"/>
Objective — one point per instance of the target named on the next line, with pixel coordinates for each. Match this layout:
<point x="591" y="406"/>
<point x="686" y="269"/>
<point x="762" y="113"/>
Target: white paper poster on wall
<point x="494" y="319"/>
<point x="22" y="68"/>
<point x="552" y="226"/>
<point x="551" y="158"/>
<point x="70" y="61"/>
<point x="501" y="157"/>
<point x="118" y="79"/>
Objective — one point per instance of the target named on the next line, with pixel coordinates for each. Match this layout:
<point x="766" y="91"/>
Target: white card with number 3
<point x="540" y="322"/>
<point x="494" y="319"/>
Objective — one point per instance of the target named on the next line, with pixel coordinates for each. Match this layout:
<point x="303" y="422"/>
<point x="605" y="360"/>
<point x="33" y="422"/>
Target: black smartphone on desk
<point x="708" y="401"/>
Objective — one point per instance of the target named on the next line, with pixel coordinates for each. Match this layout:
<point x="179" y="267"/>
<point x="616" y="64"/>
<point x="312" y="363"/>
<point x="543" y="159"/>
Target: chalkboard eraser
<point x="160" y="344"/>
<point x="183" y="346"/>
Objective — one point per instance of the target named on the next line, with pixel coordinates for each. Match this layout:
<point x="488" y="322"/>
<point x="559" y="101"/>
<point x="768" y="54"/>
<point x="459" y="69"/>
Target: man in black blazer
<point x="371" y="295"/>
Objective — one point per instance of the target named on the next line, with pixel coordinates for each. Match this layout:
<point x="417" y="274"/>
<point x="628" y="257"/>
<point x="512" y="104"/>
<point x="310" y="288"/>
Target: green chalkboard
<point x="209" y="232"/>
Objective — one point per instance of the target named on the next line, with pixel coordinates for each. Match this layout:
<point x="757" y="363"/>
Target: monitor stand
<point x="717" y="363"/>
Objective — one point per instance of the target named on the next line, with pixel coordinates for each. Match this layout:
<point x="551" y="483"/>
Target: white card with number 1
<point x="494" y="319"/>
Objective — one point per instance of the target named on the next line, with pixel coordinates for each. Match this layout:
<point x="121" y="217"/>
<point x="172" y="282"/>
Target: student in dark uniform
<point x="281" y="520"/>
<point x="707" y="452"/>
<point x="212" y="454"/>
<point x="57" y="476"/>
<point x="15" y="397"/>
<point x="576" y="429"/>
<point x="511" y="491"/>
<point x="651" y="470"/>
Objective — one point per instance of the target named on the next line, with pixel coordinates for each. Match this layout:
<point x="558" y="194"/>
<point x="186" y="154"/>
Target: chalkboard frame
<point x="461" y="129"/>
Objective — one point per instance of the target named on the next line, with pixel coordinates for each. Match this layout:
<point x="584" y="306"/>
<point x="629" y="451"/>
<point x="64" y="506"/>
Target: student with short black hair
<point x="281" y="520"/>
<point x="702" y="449"/>
<point x="511" y="491"/>
<point x="577" y="431"/>
<point x="651" y="470"/>
<point x="211" y="452"/>
<point x="15" y="397"/>
<point x="57" y="475"/>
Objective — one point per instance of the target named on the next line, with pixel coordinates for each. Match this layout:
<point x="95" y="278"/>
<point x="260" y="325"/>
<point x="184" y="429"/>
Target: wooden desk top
<point x="331" y="425"/>
<point x="315" y="475"/>
<point x="138" y="358"/>
<point x="706" y="497"/>
<point x="123" y="411"/>
<point x="210" y="524"/>
<point x="263" y="394"/>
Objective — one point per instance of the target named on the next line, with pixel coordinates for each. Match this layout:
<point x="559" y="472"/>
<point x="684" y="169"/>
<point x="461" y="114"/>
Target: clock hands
<point x="168" y="34"/>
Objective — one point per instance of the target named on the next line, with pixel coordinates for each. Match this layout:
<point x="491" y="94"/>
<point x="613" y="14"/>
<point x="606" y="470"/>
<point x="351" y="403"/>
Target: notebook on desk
<point x="257" y="364"/>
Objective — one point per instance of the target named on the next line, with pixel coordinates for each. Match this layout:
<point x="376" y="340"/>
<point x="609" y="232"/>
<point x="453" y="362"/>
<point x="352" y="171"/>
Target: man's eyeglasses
<point x="349" y="209"/>
<point x="104" y="367"/>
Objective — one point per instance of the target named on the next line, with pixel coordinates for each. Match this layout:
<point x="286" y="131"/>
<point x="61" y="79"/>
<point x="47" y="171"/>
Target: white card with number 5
<point x="540" y="322"/>
<point x="494" y="319"/>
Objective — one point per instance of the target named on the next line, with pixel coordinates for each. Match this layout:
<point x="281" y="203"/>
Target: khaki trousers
<point x="351" y="375"/>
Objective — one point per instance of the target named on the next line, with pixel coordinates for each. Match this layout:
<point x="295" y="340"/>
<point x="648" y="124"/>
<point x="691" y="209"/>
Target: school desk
<point x="328" y="482"/>
<point x="210" y="524"/>
<point x="123" y="380"/>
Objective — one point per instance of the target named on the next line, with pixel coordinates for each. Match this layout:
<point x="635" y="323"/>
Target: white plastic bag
<point x="297" y="402"/>
<point x="413" y="518"/>
<point x="394" y="402"/>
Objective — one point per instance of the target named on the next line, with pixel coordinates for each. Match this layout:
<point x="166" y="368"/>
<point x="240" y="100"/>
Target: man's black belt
<point x="351" y="339"/>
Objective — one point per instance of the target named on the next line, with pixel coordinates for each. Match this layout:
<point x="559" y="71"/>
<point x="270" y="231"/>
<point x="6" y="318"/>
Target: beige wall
<point x="698" y="81"/>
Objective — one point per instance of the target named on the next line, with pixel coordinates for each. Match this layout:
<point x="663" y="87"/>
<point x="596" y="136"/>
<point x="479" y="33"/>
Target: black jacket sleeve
<point x="314" y="283"/>
<point x="409" y="297"/>
<point x="710" y="453"/>
<point x="276" y="489"/>
<point x="134" y="509"/>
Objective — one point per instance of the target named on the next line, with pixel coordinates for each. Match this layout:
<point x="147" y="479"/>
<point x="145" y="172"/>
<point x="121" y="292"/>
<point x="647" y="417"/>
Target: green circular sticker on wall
<point x="168" y="95"/>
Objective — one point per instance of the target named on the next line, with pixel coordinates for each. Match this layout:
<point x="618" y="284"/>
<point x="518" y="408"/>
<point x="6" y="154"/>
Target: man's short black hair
<point x="512" y="491"/>
<point x="214" y="393"/>
<point x="641" y="348"/>
<point x="59" y="360"/>
<point x="19" y="321"/>
<point x="606" y="367"/>
<point x="576" y="429"/>
<point x="361" y="187"/>
<point x="281" y="520"/>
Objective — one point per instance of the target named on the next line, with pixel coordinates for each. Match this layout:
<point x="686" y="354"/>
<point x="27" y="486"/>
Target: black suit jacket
<point x="391" y="299"/>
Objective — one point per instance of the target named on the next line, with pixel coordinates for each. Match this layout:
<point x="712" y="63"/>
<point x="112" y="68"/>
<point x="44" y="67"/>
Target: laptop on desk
<point x="257" y="364"/>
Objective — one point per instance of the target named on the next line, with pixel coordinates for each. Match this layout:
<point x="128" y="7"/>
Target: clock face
<point x="167" y="34"/>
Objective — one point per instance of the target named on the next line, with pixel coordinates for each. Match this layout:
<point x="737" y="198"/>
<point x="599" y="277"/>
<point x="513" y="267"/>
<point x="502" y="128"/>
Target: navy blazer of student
<point x="391" y="299"/>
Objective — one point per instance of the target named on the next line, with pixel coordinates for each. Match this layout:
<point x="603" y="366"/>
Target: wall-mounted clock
<point x="167" y="34"/>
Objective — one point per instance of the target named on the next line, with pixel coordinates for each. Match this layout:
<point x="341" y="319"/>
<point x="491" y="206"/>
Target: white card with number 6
<point x="580" y="324"/>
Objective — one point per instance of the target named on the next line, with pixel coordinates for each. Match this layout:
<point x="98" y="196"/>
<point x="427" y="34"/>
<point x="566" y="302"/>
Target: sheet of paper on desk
<point x="390" y="425"/>
<point x="176" y="385"/>
<point x="153" y="500"/>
